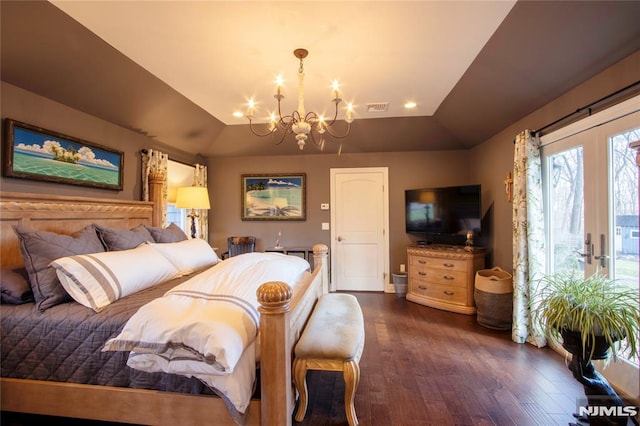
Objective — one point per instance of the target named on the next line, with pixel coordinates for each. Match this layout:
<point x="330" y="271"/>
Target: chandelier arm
<point x="279" y="97"/>
<point x="335" y="114"/>
<point x="286" y="122"/>
<point x="336" y="136"/>
<point x="295" y="116"/>
<point x="313" y="138"/>
<point x="311" y="116"/>
<point x="318" y="144"/>
<point x="278" y="142"/>
<point x="262" y="135"/>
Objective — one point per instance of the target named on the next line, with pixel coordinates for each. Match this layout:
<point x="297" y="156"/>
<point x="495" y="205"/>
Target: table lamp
<point x="192" y="197"/>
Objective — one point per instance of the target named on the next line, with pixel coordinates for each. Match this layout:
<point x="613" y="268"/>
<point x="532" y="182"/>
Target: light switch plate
<point x="325" y="226"/>
<point x="324" y="206"/>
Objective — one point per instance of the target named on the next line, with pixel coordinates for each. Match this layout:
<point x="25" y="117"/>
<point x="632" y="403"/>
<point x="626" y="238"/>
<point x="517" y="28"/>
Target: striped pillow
<point x="188" y="256"/>
<point x="99" y="279"/>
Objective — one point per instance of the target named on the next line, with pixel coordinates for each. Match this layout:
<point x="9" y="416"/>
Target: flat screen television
<point x="443" y="211"/>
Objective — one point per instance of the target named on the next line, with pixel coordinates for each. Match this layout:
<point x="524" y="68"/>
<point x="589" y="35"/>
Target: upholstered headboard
<point x="63" y="215"/>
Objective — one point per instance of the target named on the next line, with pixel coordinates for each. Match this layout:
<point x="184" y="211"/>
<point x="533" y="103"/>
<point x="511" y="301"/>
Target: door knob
<point x="339" y="239"/>
<point x="589" y="249"/>
<point x="603" y="256"/>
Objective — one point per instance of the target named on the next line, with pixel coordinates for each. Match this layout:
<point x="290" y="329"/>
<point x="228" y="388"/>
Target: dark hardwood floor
<point x="423" y="366"/>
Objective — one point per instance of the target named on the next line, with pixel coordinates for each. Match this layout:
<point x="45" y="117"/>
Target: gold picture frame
<point x="274" y="196"/>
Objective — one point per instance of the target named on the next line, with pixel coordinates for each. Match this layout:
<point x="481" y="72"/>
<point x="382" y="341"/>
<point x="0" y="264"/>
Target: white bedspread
<point x="202" y="327"/>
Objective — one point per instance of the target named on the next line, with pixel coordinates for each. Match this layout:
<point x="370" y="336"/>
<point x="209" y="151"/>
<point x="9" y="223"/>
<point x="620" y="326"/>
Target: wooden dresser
<point x="443" y="276"/>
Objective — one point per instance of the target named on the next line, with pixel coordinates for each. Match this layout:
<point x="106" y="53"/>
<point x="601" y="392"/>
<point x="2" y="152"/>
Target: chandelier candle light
<point x="299" y="122"/>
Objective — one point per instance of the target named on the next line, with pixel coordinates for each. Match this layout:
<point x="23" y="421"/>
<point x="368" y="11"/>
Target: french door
<point x="591" y="204"/>
<point x="592" y="193"/>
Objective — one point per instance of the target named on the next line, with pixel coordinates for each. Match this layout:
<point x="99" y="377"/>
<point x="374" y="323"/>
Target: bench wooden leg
<point x="351" y="374"/>
<point x="300" y="381"/>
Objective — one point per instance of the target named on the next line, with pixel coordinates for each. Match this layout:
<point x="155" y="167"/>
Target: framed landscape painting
<point x="274" y="197"/>
<point x="34" y="153"/>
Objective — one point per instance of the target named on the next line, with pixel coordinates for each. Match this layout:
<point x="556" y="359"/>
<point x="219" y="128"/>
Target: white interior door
<point x="359" y="220"/>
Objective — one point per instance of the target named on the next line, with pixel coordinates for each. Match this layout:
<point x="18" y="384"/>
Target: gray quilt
<point x="64" y="343"/>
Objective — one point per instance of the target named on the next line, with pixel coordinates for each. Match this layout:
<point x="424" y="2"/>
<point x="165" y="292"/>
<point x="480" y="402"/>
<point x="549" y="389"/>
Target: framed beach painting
<point x="274" y="197"/>
<point x="31" y="152"/>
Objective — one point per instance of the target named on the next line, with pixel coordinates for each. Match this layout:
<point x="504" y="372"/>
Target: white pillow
<point x="188" y="256"/>
<point x="99" y="279"/>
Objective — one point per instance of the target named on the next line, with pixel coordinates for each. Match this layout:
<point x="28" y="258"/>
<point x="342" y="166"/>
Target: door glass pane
<point x="623" y="189"/>
<point x="566" y="204"/>
<point x="624" y="205"/>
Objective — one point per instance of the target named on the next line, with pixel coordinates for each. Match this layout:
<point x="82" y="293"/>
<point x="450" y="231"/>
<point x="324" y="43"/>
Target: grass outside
<point x="627" y="271"/>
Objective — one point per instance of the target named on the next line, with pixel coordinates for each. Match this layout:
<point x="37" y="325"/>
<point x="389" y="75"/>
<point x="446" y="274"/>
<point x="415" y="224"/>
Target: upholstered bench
<point x="332" y="340"/>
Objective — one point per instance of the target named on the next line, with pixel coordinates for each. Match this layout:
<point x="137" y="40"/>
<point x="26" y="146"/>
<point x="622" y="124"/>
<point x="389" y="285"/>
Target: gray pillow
<point x="170" y="234"/>
<point x="14" y="286"/>
<point x="115" y="239"/>
<point x="40" y="248"/>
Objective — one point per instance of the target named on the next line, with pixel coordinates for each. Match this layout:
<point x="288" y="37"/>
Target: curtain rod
<point x="586" y="107"/>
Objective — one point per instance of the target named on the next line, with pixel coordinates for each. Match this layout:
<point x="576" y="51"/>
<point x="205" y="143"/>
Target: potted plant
<point x="590" y="316"/>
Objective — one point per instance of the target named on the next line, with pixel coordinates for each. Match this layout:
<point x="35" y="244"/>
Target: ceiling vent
<point x="378" y="107"/>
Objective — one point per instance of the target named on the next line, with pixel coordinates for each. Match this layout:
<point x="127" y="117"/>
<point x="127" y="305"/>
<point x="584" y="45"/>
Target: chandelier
<point x="302" y="124"/>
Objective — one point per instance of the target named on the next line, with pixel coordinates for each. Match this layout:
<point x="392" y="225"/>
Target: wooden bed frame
<point x="283" y="315"/>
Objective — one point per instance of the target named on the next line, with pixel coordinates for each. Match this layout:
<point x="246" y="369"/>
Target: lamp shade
<point x="192" y="197"/>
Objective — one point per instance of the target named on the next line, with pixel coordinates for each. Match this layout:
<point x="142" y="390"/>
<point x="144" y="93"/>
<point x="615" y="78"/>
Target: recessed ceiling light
<point x="410" y="105"/>
<point x="238" y="114"/>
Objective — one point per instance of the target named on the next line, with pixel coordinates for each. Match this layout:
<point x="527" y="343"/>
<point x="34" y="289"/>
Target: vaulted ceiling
<point x="177" y="70"/>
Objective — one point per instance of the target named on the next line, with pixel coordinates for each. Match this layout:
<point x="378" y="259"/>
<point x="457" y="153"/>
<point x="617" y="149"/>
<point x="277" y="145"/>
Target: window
<point x="177" y="216"/>
<point x="178" y="174"/>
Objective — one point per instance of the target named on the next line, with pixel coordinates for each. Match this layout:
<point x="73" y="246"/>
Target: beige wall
<point x="492" y="160"/>
<point x="486" y="164"/>
<point x="31" y="108"/>
<point x="406" y="170"/>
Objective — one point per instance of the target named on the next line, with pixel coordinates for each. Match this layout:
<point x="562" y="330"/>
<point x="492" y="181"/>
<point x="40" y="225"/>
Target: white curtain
<point x="154" y="161"/>
<point x="528" y="236"/>
<point x="200" y="179"/>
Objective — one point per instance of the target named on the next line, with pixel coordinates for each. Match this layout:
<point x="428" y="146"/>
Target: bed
<point x="283" y="313"/>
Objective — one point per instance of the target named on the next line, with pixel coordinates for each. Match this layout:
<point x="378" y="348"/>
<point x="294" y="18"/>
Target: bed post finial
<point x="156" y="184"/>
<point x="320" y="255"/>
<point x="274" y="297"/>
<point x="275" y="353"/>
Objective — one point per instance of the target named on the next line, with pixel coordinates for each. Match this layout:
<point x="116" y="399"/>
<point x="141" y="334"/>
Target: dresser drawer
<point x="445" y="293"/>
<point x="446" y="264"/>
<point x="438" y="276"/>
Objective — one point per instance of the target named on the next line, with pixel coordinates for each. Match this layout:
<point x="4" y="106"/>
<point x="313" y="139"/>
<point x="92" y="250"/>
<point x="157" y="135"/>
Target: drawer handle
<point x="449" y="265"/>
<point x="448" y="277"/>
<point x="422" y="262"/>
<point x="421" y="287"/>
<point x="422" y="273"/>
<point x="448" y="293"/>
